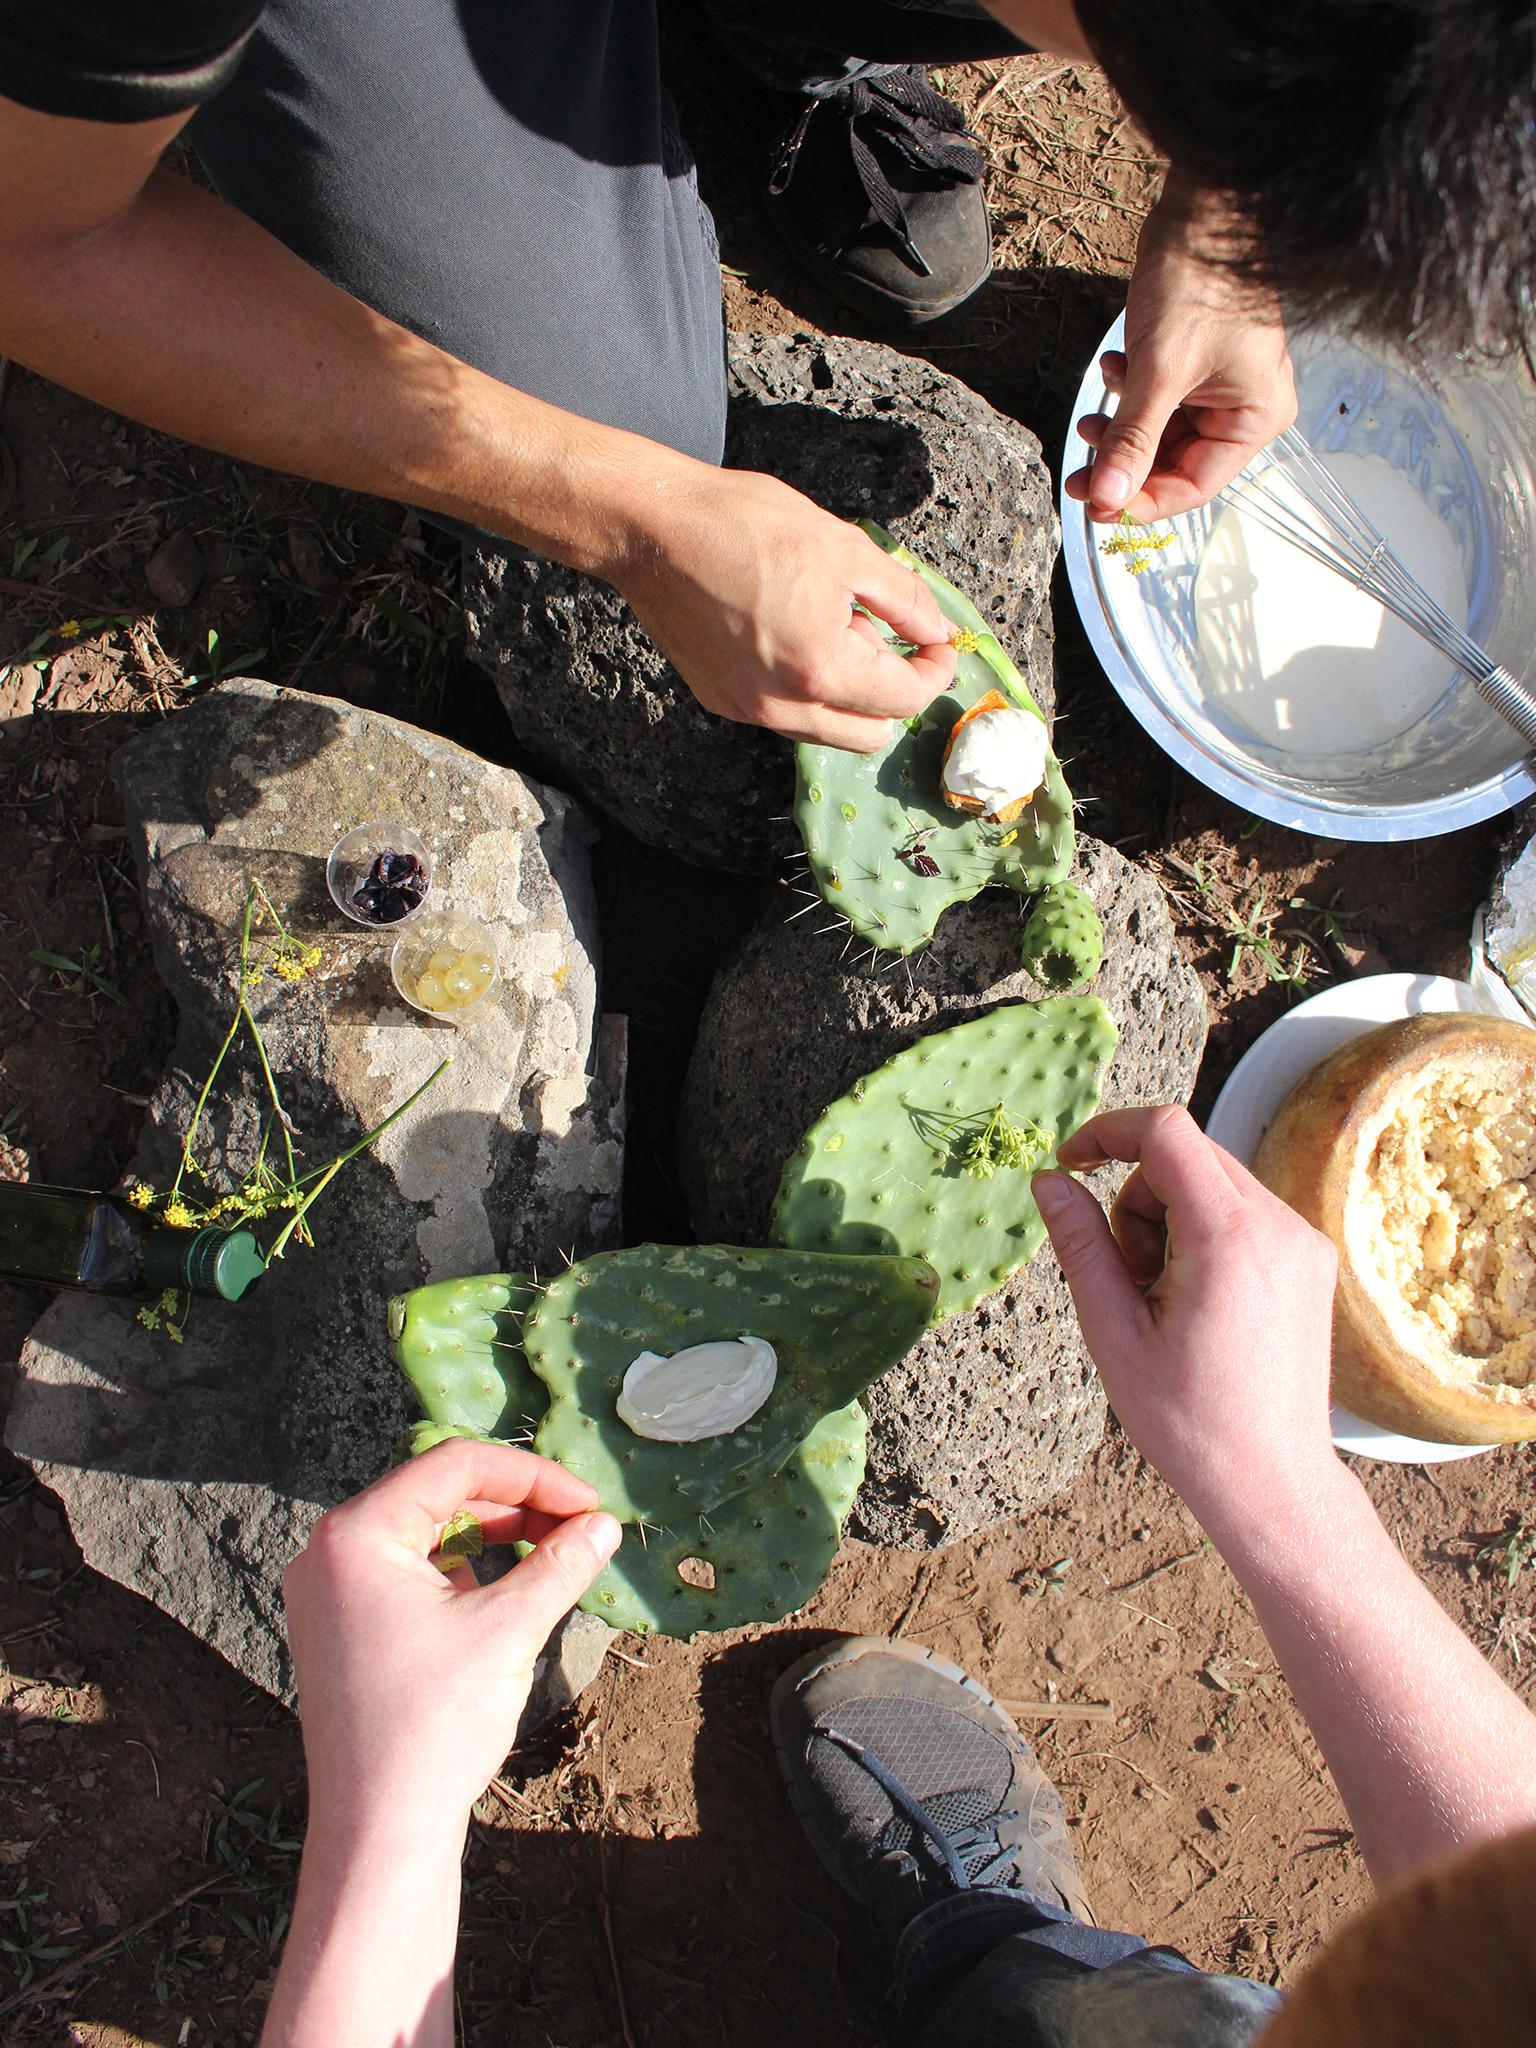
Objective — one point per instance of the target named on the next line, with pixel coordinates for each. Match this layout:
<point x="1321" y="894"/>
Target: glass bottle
<point x="65" y="1237"/>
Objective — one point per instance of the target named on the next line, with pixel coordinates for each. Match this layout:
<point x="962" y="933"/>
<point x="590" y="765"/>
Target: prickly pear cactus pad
<point x="460" y="1344"/>
<point x="836" y="1323"/>
<point x="885" y="851"/>
<point x="1063" y="943"/>
<point x="932" y="1153"/>
<point x="757" y="1558"/>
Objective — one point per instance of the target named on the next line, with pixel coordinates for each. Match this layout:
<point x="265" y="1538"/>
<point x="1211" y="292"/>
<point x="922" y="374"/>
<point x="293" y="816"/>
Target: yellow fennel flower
<point x="964" y="640"/>
<point x="178" y="1215"/>
<point x="141" y="1196"/>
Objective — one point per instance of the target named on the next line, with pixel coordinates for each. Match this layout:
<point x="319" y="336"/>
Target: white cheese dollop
<point x="707" y="1390"/>
<point x="997" y="758"/>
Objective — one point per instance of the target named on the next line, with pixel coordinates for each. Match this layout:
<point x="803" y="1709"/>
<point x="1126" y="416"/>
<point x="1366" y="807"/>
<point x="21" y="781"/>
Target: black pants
<point x="506" y="178"/>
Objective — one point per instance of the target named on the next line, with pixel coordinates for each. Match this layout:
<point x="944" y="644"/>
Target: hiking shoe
<point x="913" y="1784"/>
<point x="875" y="184"/>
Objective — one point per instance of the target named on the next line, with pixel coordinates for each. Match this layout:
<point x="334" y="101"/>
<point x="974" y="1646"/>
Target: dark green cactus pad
<point x="460" y="1344"/>
<point x="857" y="813"/>
<point x="768" y="1550"/>
<point x="836" y="1324"/>
<point x="882" y="1170"/>
<point x="1063" y="944"/>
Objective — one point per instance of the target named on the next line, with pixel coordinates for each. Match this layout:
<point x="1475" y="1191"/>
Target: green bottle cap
<point x="219" y="1262"/>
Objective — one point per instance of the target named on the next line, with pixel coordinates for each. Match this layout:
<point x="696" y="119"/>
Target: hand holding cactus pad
<point x="756" y="1559"/>
<point x="899" y="1164"/>
<point x="885" y="850"/>
<point x="836" y="1324"/>
<point x="460" y="1344"/>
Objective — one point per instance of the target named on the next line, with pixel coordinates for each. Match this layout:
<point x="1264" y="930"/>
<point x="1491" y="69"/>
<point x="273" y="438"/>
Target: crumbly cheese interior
<point x="1446" y="1211"/>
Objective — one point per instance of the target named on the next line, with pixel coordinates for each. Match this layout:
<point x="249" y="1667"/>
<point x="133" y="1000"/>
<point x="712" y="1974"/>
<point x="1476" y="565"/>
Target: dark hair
<point x="1378" y="157"/>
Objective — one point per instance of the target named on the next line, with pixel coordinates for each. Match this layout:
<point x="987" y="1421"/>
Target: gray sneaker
<point x="913" y="1784"/>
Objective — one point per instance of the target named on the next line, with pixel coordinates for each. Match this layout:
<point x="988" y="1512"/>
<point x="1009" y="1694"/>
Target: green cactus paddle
<point x="836" y="1324"/>
<point x="1063" y="942"/>
<point x="755" y="1559"/>
<point x="886" y="852"/>
<point x="916" y="1157"/>
<point x="460" y="1344"/>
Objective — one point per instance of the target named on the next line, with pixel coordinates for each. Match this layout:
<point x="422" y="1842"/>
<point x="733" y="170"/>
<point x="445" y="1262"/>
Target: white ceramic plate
<point x="1267" y="1073"/>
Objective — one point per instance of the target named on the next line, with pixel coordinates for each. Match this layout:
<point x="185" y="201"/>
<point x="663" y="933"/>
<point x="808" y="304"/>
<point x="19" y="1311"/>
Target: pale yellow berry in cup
<point x="442" y="961"/>
<point x="430" y="992"/>
<point x="461" y="985"/>
<point x="482" y="967"/>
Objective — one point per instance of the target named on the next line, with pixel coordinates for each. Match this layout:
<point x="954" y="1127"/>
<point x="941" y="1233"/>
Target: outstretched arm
<point x="127" y="283"/>
<point x="1207" y="1307"/>
<point x="410" y="1688"/>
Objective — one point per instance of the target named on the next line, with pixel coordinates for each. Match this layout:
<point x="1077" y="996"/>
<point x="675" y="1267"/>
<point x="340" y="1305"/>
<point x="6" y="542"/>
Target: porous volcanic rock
<point x="996" y="1410"/>
<point x="193" y="1472"/>
<point x="863" y="431"/>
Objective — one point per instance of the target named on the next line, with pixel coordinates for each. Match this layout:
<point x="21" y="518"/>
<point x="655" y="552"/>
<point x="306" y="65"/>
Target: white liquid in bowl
<point x="1300" y="656"/>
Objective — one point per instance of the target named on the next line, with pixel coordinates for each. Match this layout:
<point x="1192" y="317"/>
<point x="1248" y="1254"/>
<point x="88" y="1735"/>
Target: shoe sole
<point x="805" y="1669"/>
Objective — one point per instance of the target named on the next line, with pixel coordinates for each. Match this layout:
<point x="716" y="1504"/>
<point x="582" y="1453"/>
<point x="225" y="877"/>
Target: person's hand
<point x="750" y="591"/>
<point x="411" y="1682"/>
<point x="1204" y="382"/>
<point x="1207" y="1306"/>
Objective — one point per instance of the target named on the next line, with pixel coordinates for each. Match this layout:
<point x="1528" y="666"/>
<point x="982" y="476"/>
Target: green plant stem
<point x="197" y="1114"/>
<point x="229" y="1039"/>
<point x="261" y="1053"/>
<point x="328" y="1173"/>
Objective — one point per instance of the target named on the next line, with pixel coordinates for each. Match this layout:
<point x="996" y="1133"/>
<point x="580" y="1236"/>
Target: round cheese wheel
<point x="1413" y="1148"/>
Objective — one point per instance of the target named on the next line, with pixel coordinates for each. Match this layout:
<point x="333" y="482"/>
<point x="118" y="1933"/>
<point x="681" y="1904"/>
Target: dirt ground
<point x="634" y="1877"/>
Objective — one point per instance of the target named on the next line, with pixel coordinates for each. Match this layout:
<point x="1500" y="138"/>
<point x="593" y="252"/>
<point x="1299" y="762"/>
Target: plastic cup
<point x="446" y="965"/>
<point x="351" y="863"/>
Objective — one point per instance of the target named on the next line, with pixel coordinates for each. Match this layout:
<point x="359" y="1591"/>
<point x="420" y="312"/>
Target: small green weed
<point x="218" y="665"/>
<point x="1253" y="933"/>
<point x="1329" y="921"/>
<point x="1509" y="1553"/>
<point x="81" y="976"/>
<point x="26" y="1933"/>
<point x="1052" y="1580"/>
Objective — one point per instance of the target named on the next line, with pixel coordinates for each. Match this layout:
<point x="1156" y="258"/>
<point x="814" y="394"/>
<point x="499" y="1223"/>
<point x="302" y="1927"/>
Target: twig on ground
<point x="132" y="1742"/>
<point x="1110" y="1756"/>
<point x="52" y="1985"/>
<point x="1061" y="1710"/>
<point x="1157" y="1570"/>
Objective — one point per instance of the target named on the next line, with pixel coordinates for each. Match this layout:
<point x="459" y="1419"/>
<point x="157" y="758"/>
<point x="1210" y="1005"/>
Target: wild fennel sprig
<point x="1136" y="543"/>
<point x="272" y="1185"/>
<point x="985" y="1139"/>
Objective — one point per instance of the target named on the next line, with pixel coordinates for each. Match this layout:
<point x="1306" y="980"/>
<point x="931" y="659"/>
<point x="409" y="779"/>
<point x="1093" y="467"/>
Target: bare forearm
<point x="369" y="1957"/>
<point x="1428" y="1747"/>
<point x="236" y="344"/>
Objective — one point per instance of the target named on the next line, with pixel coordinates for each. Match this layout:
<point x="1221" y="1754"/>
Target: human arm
<point x="1203" y="383"/>
<point x="410" y="1687"/>
<point x="1207" y="1308"/>
<point x="125" y="282"/>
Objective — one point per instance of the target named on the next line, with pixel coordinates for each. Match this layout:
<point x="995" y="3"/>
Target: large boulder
<point x="192" y="1472"/>
<point x="863" y="431"/>
<point x="996" y="1410"/>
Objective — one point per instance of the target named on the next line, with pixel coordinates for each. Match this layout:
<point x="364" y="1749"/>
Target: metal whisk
<point x="1304" y="505"/>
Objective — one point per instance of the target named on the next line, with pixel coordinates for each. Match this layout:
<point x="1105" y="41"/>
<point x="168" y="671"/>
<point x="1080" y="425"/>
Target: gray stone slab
<point x="193" y="1472"/>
